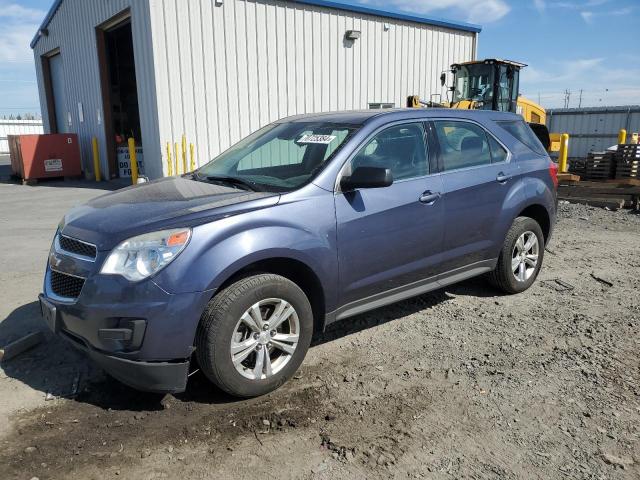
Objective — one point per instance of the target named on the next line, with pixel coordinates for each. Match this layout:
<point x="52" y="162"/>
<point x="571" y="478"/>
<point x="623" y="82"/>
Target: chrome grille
<point x="66" y="286"/>
<point x="77" y="247"/>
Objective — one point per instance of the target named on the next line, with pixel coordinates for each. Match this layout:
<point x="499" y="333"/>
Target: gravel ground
<point x="459" y="383"/>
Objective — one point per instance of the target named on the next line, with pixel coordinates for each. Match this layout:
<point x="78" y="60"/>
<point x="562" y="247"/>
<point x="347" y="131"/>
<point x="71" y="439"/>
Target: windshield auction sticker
<point x="323" y="139"/>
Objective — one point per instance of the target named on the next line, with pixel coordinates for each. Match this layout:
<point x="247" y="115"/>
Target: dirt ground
<point x="459" y="383"/>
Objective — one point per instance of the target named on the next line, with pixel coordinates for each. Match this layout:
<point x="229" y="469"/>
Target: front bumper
<point x="149" y="376"/>
<point x="137" y="332"/>
<point x="158" y="377"/>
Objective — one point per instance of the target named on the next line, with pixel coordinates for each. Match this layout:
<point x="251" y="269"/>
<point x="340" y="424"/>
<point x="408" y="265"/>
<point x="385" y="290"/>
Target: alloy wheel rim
<point x="524" y="257"/>
<point x="265" y="338"/>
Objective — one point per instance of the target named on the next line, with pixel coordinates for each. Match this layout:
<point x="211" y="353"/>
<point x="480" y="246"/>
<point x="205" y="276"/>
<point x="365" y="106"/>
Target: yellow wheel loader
<point x="492" y="84"/>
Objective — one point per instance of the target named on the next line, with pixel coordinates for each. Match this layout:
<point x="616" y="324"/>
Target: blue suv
<point x="308" y="221"/>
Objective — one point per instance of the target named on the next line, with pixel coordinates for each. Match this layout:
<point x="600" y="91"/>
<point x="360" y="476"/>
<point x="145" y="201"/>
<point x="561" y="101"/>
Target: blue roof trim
<point x="344" y="5"/>
<point x="392" y="13"/>
<point x="52" y="11"/>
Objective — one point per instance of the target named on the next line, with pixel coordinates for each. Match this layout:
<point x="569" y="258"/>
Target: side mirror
<point x="367" y="177"/>
<point x="443" y="78"/>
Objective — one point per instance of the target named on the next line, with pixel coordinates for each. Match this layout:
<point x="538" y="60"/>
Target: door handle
<point x="429" y="197"/>
<point x="502" y="178"/>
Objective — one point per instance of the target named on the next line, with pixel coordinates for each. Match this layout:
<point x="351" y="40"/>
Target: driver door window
<point x="400" y="148"/>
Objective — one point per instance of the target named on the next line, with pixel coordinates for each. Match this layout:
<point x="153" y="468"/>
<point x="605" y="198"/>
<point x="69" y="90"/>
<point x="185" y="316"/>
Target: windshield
<point x="278" y="157"/>
<point x="475" y="83"/>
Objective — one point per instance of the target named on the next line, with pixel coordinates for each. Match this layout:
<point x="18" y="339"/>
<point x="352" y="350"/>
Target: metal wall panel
<point x="593" y="129"/>
<point x="72" y="30"/>
<point x="216" y="72"/>
<point x="17" y="127"/>
<point x="224" y="70"/>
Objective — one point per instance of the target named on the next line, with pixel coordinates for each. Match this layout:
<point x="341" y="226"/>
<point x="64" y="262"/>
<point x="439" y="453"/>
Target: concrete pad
<point x="29" y="216"/>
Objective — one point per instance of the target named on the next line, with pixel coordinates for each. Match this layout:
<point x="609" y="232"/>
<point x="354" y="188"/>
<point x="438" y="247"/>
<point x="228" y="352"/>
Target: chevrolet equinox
<point x="308" y="221"/>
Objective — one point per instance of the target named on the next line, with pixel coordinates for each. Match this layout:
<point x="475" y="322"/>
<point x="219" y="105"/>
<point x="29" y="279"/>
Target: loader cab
<point x="486" y="85"/>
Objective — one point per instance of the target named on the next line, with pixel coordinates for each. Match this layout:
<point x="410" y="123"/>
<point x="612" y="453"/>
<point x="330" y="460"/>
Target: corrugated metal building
<point x="217" y="70"/>
<point x="593" y="129"/>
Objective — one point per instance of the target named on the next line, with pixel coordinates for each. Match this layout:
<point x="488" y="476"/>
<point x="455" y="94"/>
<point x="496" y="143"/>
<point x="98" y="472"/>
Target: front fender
<point x="241" y="250"/>
<point x="219" y="249"/>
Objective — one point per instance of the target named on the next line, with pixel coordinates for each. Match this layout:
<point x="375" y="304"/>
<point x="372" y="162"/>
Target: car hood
<point x="166" y="203"/>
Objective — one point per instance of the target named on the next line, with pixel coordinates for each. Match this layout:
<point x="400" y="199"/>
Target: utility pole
<point x="580" y="101"/>
<point x="567" y="98"/>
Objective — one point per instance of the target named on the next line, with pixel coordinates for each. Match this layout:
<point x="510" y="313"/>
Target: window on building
<point x="380" y="106"/>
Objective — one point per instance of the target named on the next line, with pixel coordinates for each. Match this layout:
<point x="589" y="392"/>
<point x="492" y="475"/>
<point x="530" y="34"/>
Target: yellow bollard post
<point x="622" y="136"/>
<point x="193" y="157"/>
<point x="133" y="161"/>
<point x="96" y="159"/>
<point x="564" y="153"/>
<point x="169" y="162"/>
<point x="634" y="138"/>
<point x="184" y="154"/>
<point x="176" y="160"/>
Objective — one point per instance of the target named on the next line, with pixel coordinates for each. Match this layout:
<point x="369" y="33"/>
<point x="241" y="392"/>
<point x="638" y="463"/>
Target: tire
<point x="504" y="277"/>
<point x="225" y="320"/>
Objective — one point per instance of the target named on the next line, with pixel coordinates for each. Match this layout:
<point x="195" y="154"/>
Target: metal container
<point x="16" y="127"/>
<point x="45" y="156"/>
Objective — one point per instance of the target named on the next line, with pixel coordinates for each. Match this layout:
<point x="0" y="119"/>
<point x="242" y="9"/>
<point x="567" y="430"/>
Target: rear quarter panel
<point x="538" y="187"/>
<point x="532" y="184"/>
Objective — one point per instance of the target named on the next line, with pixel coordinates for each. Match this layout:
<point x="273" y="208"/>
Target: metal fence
<point x="593" y="129"/>
<point x="17" y="127"/>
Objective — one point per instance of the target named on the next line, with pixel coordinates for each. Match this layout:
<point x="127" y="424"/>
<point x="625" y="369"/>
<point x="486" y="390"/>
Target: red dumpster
<point x="45" y="156"/>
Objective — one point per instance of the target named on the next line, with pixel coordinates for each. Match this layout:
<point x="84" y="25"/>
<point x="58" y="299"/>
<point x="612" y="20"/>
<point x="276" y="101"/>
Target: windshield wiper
<point x="238" y="182"/>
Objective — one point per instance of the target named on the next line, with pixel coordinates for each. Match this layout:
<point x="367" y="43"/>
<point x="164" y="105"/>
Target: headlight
<point x="144" y="255"/>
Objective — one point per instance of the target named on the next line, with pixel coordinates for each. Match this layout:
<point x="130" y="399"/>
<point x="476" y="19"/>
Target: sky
<point x="588" y="47"/>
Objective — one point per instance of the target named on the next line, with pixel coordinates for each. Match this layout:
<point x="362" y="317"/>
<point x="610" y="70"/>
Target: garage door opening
<point x="54" y="84"/>
<point x="119" y="91"/>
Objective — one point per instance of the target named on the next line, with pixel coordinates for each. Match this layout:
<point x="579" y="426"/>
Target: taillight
<point x="553" y="172"/>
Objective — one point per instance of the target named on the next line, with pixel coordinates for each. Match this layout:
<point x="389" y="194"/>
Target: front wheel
<point x="520" y="258"/>
<point x="254" y="335"/>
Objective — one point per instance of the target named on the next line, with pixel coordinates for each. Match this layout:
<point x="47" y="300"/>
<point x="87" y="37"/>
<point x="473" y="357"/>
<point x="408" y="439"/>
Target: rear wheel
<point x="520" y="258"/>
<point x="254" y="335"/>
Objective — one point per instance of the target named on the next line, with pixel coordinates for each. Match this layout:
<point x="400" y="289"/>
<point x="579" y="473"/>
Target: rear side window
<point x="523" y="133"/>
<point x="462" y="144"/>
